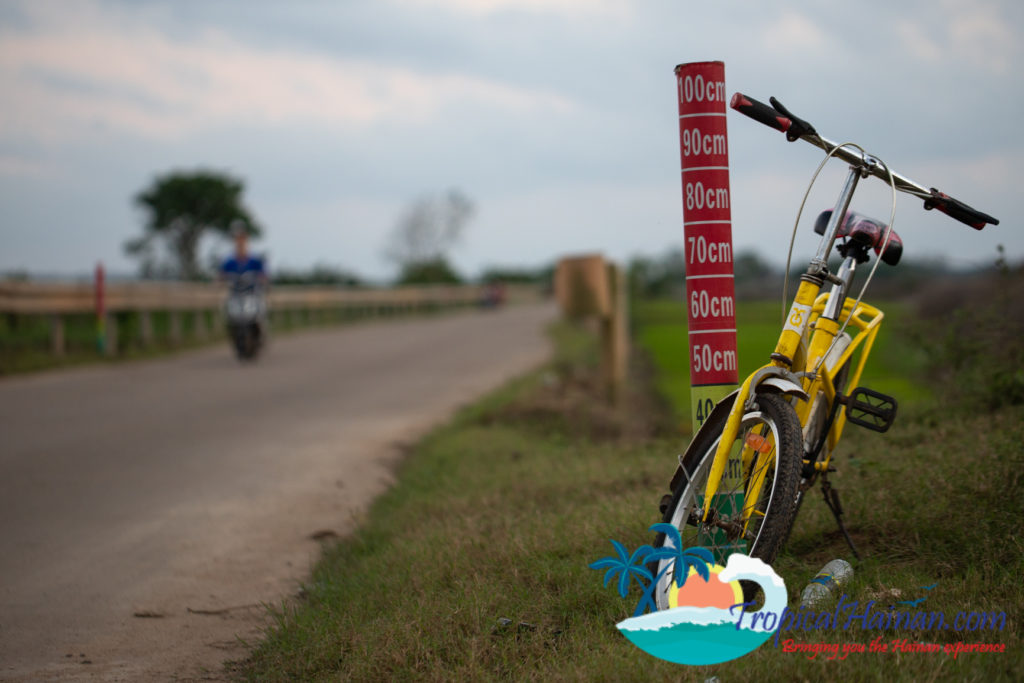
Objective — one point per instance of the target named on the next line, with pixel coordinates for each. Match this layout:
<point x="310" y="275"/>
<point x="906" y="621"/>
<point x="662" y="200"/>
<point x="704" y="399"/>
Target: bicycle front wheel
<point x="769" y="444"/>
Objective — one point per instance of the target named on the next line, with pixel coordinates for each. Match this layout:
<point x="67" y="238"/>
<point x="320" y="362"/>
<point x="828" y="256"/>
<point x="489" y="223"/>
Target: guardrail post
<point x="202" y="332"/>
<point x="99" y="295"/>
<point x="146" y="328"/>
<point x="110" y="332"/>
<point x="175" y="331"/>
<point x="57" y="334"/>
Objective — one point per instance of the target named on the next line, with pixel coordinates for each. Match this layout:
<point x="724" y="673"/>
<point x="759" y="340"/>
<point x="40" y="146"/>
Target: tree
<point x="423" y="235"/>
<point x="320" y="274"/>
<point x="679" y="560"/>
<point x="627" y="567"/>
<point x="181" y="207"/>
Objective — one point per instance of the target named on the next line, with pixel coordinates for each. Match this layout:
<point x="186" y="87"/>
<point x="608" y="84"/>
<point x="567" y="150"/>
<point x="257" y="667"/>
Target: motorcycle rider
<point x="242" y="261"/>
<point x="247" y="279"/>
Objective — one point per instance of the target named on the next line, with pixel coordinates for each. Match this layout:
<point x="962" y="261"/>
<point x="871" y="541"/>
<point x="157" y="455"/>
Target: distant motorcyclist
<point x="241" y="261"/>
<point x="246" y="306"/>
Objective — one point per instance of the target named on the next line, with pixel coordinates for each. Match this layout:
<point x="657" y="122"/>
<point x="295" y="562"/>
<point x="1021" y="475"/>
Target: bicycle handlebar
<point x="958" y="210"/>
<point x="778" y="117"/>
<point x="759" y="111"/>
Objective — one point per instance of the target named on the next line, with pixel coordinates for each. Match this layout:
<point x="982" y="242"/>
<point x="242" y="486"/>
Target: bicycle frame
<point x="805" y="382"/>
<point x="867" y="320"/>
<point x="813" y="371"/>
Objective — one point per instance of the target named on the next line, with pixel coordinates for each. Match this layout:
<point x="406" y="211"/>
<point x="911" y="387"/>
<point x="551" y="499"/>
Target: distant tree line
<point x="664" y="276"/>
<point x="318" y="275"/>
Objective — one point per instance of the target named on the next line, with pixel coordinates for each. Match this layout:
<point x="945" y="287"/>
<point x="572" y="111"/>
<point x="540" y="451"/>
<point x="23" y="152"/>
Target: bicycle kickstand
<point x="832" y="501"/>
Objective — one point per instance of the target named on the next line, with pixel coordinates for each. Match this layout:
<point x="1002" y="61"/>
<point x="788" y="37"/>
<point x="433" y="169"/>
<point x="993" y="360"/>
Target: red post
<point x="707" y="228"/>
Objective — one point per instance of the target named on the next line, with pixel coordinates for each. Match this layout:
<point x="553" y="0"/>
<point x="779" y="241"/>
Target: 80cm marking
<point x="697" y="197"/>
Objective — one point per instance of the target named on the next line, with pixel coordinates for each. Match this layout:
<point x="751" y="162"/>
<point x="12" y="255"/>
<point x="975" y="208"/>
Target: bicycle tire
<point x="778" y="496"/>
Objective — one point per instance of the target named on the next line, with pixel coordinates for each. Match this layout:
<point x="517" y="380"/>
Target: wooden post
<point x="615" y="335"/>
<point x="57" y="334"/>
<point x="581" y="286"/>
<point x="588" y="287"/>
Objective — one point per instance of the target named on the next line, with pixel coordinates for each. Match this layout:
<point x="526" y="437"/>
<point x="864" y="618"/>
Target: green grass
<point x="661" y="330"/>
<point x="497" y="515"/>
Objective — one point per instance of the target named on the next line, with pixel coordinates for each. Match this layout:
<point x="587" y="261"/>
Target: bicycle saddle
<point x="866" y="231"/>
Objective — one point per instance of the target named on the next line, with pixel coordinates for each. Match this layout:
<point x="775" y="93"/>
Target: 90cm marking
<point x="696" y="89"/>
<point x="697" y="197"/>
<point x="696" y="143"/>
<point x="705" y="359"/>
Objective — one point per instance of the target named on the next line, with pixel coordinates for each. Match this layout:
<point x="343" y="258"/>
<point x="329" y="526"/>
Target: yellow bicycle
<point x="741" y="481"/>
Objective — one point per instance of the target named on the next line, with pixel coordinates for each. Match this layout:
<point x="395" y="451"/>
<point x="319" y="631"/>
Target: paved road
<point x="148" y="508"/>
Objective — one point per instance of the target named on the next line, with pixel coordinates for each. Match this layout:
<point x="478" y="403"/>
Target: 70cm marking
<point x="703" y="251"/>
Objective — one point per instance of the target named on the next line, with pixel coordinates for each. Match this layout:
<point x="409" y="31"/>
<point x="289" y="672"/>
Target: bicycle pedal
<point x="870" y="409"/>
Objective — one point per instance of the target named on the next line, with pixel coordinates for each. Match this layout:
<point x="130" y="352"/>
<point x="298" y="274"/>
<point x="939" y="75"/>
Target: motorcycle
<point x="246" y="314"/>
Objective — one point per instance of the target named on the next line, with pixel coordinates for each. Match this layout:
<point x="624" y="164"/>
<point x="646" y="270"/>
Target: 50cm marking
<point x="706" y="359"/>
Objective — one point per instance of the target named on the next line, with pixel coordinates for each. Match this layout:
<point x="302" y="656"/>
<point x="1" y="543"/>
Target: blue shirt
<point x="232" y="267"/>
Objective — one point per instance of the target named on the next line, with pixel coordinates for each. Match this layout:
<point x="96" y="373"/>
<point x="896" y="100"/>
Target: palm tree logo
<point x="700" y="625"/>
<point x="635" y="566"/>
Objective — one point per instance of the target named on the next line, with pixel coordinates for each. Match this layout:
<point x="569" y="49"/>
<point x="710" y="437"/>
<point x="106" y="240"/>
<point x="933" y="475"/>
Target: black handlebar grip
<point x="958" y="210"/>
<point x="759" y="111"/>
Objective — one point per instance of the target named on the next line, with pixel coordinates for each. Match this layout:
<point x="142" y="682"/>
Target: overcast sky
<point x="557" y="117"/>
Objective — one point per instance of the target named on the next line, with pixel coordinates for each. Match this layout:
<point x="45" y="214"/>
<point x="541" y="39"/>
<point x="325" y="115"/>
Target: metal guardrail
<point x="205" y="301"/>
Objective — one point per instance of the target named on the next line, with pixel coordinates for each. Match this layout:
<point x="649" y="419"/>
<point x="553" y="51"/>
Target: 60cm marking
<point x="702" y="305"/>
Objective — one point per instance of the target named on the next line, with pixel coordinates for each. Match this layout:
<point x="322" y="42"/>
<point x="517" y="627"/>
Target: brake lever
<point x="799" y="127"/>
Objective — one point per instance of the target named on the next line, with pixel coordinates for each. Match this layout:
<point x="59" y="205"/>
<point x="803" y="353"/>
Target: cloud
<point x="117" y="73"/>
<point x="979" y="36"/>
<point x="483" y="7"/>
<point x="918" y="41"/>
<point x="793" y="32"/>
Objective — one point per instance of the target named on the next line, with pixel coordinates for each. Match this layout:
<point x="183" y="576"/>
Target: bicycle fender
<point x="723" y="406"/>
<point x="782" y="385"/>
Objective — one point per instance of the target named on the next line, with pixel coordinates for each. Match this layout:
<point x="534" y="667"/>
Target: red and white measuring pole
<point x="707" y="228"/>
